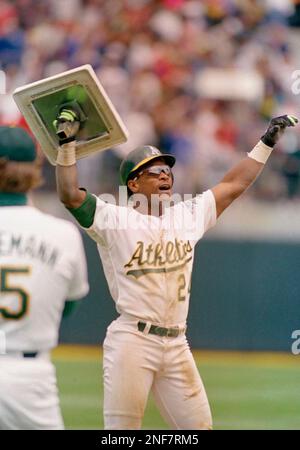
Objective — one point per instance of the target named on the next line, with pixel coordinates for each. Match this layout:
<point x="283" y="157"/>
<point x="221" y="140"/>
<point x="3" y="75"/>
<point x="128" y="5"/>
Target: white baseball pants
<point x="28" y="394"/>
<point x="135" y="363"/>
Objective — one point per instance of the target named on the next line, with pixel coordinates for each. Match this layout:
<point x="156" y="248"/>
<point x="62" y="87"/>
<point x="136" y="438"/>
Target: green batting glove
<point x="65" y="115"/>
<point x="66" y="125"/>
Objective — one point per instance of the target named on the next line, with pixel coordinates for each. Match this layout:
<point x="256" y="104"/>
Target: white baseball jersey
<point x="42" y="263"/>
<point x="148" y="260"/>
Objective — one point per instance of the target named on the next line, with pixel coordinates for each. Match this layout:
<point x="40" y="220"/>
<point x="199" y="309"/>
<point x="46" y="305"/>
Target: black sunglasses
<point x="155" y="171"/>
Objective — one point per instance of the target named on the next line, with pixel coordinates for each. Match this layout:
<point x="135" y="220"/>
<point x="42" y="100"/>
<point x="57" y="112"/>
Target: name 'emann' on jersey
<point x="28" y="246"/>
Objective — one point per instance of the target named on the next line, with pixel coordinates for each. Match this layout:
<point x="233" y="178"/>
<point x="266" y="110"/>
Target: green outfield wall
<point x="245" y="296"/>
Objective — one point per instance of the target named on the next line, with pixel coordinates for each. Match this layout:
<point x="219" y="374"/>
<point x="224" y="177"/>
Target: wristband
<point x="66" y="155"/>
<point x="260" y="152"/>
<point x="85" y="213"/>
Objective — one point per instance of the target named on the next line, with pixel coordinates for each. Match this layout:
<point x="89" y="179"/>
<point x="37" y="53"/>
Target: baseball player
<point x="147" y="259"/>
<point x="42" y="263"/>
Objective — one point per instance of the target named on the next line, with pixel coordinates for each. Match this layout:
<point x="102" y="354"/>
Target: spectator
<point x="148" y="54"/>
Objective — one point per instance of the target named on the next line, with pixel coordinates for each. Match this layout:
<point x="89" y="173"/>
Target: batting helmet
<point x="139" y="157"/>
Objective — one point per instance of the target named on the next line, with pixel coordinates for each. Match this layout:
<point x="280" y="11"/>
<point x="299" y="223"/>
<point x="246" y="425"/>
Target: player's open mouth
<point x="164" y="187"/>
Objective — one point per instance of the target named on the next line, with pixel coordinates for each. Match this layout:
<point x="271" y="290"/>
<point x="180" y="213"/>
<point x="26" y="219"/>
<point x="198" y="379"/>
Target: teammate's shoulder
<point x="64" y="226"/>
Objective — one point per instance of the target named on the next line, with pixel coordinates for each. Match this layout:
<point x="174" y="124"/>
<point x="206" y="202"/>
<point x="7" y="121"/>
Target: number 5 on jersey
<point x="7" y="286"/>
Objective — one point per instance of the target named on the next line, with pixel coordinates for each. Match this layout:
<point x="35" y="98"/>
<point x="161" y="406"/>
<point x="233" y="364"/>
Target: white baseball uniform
<point x="42" y="263"/>
<point x="148" y="262"/>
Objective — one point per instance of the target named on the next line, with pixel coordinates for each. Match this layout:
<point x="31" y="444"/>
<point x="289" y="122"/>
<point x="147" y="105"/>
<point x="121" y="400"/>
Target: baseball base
<point x="101" y="126"/>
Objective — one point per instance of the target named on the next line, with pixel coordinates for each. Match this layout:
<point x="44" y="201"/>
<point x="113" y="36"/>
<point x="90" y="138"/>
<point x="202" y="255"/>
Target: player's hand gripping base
<point x="67" y="125"/>
<point x="276" y="128"/>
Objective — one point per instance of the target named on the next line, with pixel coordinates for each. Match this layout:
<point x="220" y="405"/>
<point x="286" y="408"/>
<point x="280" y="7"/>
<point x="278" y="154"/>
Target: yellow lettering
<point x="149" y="252"/>
<point x="157" y="255"/>
<point x="169" y="252"/>
<point x="179" y="256"/>
<point x="137" y="256"/>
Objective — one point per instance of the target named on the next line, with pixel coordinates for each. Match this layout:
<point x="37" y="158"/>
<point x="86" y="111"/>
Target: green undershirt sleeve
<point x="85" y="213"/>
<point x="70" y="307"/>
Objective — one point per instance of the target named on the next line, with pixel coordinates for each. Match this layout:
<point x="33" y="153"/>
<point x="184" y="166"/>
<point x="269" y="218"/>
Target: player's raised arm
<point x="68" y="190"/>
<point x="66" y="177"/>
<point x="241" y="176"/>
<point x="79" y="202"/>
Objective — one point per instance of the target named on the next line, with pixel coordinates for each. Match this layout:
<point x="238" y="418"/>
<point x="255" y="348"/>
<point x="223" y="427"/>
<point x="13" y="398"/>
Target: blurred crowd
<point x="199" y="79"/>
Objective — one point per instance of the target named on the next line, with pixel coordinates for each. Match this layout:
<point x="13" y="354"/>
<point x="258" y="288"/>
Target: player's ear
<point x="133" y="185"/>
